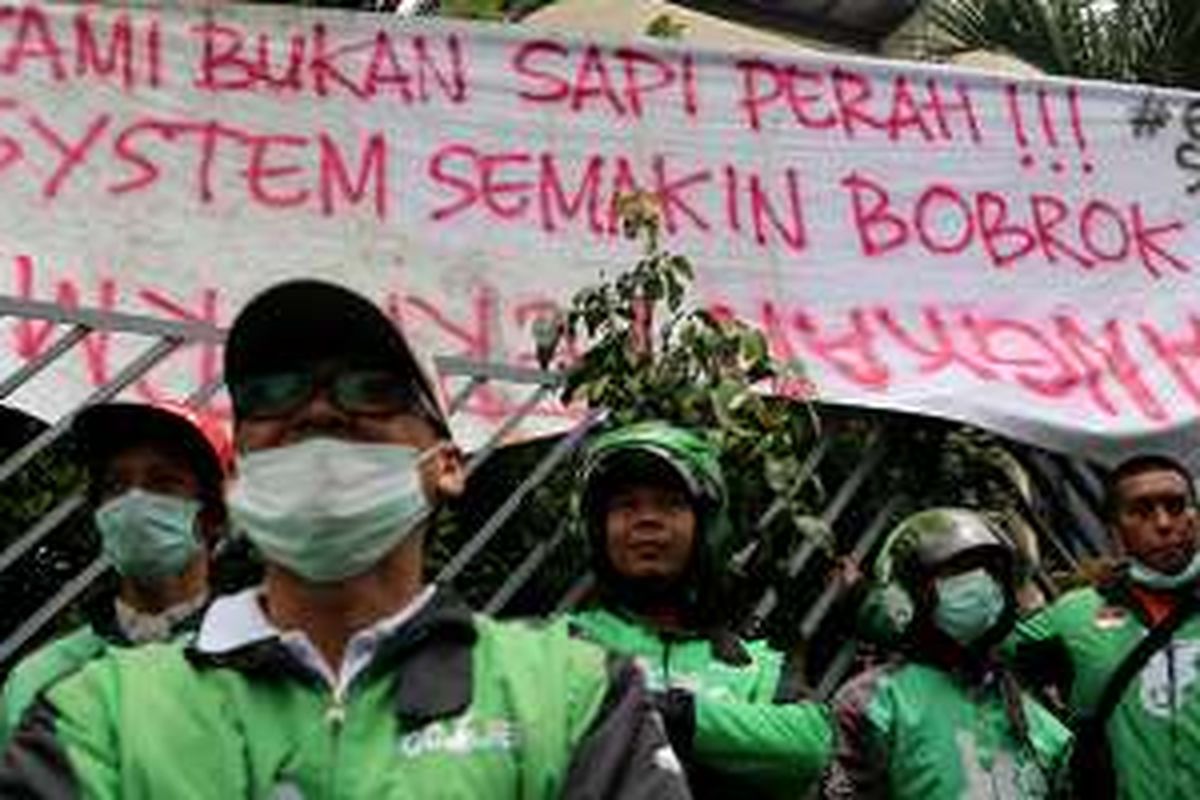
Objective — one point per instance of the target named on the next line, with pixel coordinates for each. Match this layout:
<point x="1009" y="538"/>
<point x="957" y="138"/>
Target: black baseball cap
<point x="296" y="324"/>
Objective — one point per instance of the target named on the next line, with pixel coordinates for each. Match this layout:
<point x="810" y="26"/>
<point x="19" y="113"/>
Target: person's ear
<point x="1193" y="520"/>
<point x="450" y="471"/>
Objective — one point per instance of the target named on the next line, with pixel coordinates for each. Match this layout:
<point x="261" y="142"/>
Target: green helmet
<point x="926" y="540"/>
<point x="657" y="452"/>
<point x="912" y="552"/>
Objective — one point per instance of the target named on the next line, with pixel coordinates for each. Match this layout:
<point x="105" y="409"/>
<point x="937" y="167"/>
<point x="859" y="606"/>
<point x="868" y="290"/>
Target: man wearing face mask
<point x="946" y="721"/>
<point x="345" y="674"/>
<point x="1125" y="652"/>
<point x="654" y="504"/>
<point x="155" y="484"/>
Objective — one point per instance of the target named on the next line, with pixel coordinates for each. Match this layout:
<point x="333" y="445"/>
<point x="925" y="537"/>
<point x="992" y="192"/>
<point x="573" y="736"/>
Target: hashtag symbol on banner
<point x="1150" y="116"/>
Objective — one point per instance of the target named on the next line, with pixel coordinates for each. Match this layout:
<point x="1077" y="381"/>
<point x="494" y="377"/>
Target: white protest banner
<point x="1018" y="254"/>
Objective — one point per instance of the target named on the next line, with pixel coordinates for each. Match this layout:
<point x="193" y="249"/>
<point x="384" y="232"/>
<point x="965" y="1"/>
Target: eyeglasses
<point x="355" y="391"/>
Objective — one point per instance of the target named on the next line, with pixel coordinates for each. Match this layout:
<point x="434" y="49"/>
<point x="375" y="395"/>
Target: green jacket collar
<point x="601" y="623"/>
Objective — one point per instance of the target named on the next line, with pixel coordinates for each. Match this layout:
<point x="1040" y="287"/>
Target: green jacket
<point x="746" y="731"/>
<point x="51" y="663"/>
<point x="449" y="706"/>
<point x="1154" y="731"/>
<point x="45" y="667"/>
<point x="912" y="731"/>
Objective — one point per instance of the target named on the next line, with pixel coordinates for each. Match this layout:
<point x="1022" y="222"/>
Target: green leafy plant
<point x="653" y="352"/>
<point x="1145" y="41"/>
<point x="665" y="26"/>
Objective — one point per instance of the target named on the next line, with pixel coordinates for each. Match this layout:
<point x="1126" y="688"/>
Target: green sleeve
<point x="65" y="746"/>
<point x="781" y="749"/>
<point x="1041" y="626"/>
<point x="41" y="670"/>
<point x="86" y="730"/>
<point x="1037" y="652"/>
<point x="14" y="701"/>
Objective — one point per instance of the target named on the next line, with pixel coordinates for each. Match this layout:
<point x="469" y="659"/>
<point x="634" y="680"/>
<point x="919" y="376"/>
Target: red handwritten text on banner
<point x="1013" y="253"/>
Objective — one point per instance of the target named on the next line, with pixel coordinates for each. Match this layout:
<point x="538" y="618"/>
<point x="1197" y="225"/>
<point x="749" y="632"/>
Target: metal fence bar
<point x="1085" y="481"/>
<point x="820" y="608"/>
<point x="1045" y="536"/>
<point x="196" y="332"/>
<point x="876" y="450"/>
<point x="31" y="368"/>
<point x="1062" y="495"/>
<point x="525" y="570"/>
<point x="561" y="450"/>
<point x="576" y="592"/>
<point x="480" y="372"/>
<point x="837" y="669"/>
<point x="464" y="394"/>
<point x="514" y="419"/>
<point x="807" y="469"/>
<point x="1045" y="533"/>
<point x="40" y="529"/>
<point x="497" y="371"/>
<point x="770" y="598"/>
<point x="201" y="396"/>
<point x="44" y="615"/>
<point x="136" y="369"/>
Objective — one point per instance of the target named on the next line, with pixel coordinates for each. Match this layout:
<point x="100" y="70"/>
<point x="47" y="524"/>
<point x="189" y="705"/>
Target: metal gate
<point x="543" y="570"/>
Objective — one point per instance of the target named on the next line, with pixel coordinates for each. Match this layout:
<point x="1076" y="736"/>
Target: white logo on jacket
<point x="999" y="775"/>
<point x="1160" y="695"/>
<point x="460" y="736"/>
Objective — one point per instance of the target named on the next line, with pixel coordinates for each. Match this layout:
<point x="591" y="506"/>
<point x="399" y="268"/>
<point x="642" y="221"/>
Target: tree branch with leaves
<point x="650" y="350"/>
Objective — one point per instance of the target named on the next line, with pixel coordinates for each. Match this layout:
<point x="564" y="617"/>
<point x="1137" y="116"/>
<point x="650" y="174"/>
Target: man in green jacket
<point x="654" y="503"/>
<point x="946" y="721"/>
<point x="155" y="486"/>
<point x="1149" y="746"/>
<point x="344" y="675"/>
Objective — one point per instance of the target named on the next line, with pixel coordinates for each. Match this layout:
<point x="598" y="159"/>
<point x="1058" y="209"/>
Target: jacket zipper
<point x="335" y="714"/>
<point x="335" y="717"/>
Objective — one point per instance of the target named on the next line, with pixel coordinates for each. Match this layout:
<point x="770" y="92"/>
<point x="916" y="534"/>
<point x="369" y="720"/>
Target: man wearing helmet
<point x="654" y="503"/>
<point x="1125" y="652"/>
<point x="155" y="487"/>
<point x="945" y="721"/>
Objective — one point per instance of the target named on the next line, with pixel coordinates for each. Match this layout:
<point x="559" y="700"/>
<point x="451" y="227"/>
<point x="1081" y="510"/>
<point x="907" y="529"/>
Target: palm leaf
<point x="1152" y="41"/>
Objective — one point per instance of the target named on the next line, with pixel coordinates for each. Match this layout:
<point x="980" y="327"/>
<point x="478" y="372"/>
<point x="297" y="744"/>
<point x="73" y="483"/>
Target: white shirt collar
<point x="234" y="621"/>
<point x="238" y="620"/>
<point x="139" y="627"/>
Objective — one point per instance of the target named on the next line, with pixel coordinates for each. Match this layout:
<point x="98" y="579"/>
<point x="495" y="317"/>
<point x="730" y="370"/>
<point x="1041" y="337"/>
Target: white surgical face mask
<point x="327" y="509"/>
<point x="968" y="605"/>
<point x="148" y="535"/>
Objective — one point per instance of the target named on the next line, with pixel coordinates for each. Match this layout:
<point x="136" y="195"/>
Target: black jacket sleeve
<point x="625" y="753"/>
<point x="35" y="765"/>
